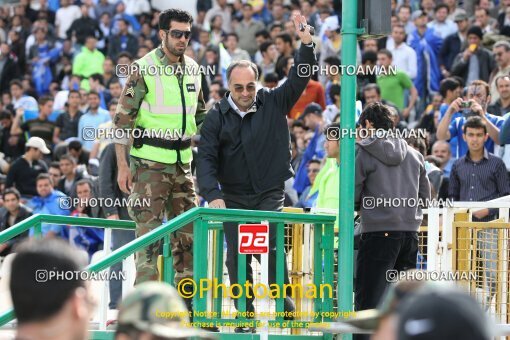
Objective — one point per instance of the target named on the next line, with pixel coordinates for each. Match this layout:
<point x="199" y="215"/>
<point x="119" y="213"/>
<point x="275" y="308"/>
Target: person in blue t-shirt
<point x="50" y="202"/>
<point x="478" y="97"/>
<point x="450" y="89"/>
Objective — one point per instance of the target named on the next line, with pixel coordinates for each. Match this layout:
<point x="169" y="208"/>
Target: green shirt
<point x="86" y="63"/>
<point x="393" y="86"/>
<point x="327" y="183"/>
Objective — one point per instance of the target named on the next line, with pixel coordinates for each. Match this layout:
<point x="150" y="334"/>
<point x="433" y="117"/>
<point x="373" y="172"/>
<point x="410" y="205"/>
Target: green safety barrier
<point x="204" y="220"/>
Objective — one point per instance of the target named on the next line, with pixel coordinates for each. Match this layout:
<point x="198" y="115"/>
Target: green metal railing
<point x="204" y="220"/>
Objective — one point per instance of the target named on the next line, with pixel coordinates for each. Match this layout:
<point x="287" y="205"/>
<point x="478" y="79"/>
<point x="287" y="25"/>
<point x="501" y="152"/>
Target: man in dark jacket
<point x="12" y="213"/>
<point x="388" y="169"/>
<point x="453" y="44"/>
<point x="476" y="62"/>
<point x="122" y="42"/>
<point x="9" y="68"/>
<point x="245" y="147"/>
<point x="84" y="26"/>
<point x="108" y="188"/>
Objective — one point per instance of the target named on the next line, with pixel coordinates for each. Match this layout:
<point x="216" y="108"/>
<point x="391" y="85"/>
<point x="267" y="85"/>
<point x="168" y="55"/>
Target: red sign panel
<point x="253" y="239"/>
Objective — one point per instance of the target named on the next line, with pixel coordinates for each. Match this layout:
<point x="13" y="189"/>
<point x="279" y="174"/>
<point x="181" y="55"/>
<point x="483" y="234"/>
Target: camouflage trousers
<point x="169" y="189"/>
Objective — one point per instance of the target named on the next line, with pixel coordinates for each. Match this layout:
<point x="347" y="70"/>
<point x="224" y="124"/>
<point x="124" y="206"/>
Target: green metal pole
<point x="347" y="121"/>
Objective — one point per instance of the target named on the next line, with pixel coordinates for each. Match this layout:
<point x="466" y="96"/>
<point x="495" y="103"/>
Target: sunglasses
<point x="249" y="88"/>
<point x="177" y="34"/>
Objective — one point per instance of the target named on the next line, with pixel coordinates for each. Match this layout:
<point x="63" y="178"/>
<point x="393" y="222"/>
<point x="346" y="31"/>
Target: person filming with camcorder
<point x="475" y="104"/>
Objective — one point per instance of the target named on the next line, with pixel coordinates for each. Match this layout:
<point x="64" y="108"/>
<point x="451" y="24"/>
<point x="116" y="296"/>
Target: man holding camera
<point x="478" y="98"/>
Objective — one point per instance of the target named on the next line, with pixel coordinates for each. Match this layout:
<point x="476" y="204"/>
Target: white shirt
<point x="404" y="57"/>
<point x="234" y="106"/>
<point x="65" y="17"/>
<point x="443" y="29"/>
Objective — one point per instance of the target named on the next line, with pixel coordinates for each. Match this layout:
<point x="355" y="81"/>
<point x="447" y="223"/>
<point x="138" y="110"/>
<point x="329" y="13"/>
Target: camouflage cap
<point x="156" y="308"/>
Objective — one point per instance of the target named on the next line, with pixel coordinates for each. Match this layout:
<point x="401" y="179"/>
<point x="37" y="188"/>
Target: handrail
<point x="219" y="215"/>
<point x="33" y="220"/>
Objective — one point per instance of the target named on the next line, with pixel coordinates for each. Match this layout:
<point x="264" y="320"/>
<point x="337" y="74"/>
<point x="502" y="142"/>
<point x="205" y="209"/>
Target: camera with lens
<point x="465" y="108"/>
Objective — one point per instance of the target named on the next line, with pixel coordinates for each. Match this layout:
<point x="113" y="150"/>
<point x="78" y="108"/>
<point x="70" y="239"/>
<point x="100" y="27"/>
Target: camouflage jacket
<point x="129" y="104"/>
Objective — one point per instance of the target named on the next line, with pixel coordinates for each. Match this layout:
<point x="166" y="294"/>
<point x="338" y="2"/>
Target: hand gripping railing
<point x="323" y="243"/>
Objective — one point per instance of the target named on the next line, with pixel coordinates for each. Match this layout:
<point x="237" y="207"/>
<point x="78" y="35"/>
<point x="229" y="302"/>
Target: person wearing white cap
<point x="25" y="169"/>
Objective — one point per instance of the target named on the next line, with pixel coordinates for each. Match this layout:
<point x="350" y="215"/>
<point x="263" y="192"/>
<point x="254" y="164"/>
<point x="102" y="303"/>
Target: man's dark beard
<point x="172" y="50"/>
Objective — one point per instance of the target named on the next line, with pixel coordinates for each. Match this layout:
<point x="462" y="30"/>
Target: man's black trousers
<point x="378" y="253"/>
<point x="271" y="200"/>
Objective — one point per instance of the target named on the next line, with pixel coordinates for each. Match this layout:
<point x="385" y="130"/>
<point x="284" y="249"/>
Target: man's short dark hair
<point x="418" y="143"/>
<point x="42" y="177"/>
<point x="448" y="84"/>
<point x="332" y="60"/>
<point x="124" y="54"/>
<point x="114" y="101"/>
<point x="11" y="191"/>
<point x="334" y="90"/>
<point x="276" y="25"/>
<point x="285" y="37"/>
<point x="73" y="91"/>
<point x="265" y="45"/>
<point x="271" y="78"/>
<point x="386" y="53"/>
<point x="166" y="17"/>
<point x="67" y="157"/>
<point x="315" y="160"/>
<point x="483" y="9"/>
<point x="5" y="114"/>
<point x="299" y="123"/>
<point x="474" y="122"/>
<point x="232" y="35"/>
<point x="439" y="6"/>
<point x="369" y="56"/>
<point x="371" y="87"/>
<point x="124" y="21"/>
<point x="16" y="82"/>
<point x="97" y="77"/>
<point x="74" y="145"/>
<point x="55" y="165"/>
<point x="36" y="300"/>
<point x="44" y="99"/>
<point x="378" y="114"/>
<point x="114" y="81"/>
<point x="263" y="33"/>
<point x="84" y="181"/>
<point x="92" y="92"/>
<point x="90" y="36"/>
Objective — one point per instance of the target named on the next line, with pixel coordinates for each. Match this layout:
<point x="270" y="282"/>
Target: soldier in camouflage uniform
<point x="160" y="169"/>
<point x="154" y="309"/>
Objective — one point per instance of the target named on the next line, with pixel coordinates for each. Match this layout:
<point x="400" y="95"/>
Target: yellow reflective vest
<point x="169" y="105"/>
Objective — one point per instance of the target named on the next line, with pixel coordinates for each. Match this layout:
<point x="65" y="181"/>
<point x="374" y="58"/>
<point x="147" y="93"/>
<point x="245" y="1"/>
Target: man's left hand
<point x="481" y="213"/>
<point x="305" y="36"/>
<point x="477" y="108"/>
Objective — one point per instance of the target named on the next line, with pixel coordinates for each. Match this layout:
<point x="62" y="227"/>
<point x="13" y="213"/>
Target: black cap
<point x="312" y="108"/>
<point x="442" y="313"/>
<point x="476" y="30"/>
